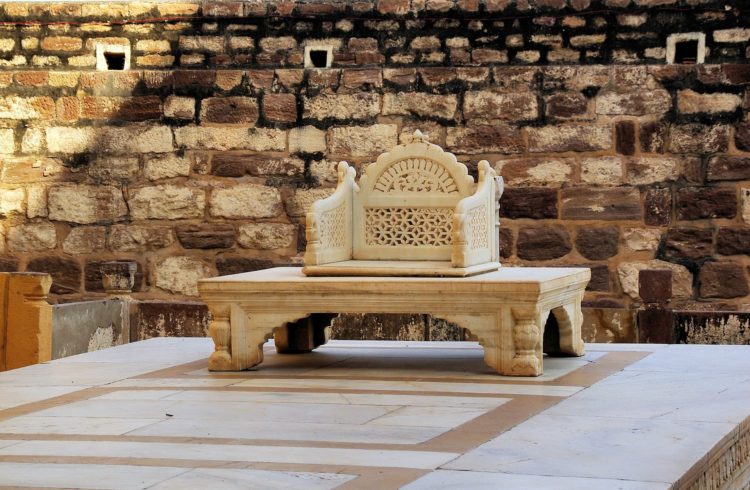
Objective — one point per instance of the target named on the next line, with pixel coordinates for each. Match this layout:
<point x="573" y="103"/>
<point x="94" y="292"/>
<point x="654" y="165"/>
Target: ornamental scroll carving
<point x="416" y="175"/>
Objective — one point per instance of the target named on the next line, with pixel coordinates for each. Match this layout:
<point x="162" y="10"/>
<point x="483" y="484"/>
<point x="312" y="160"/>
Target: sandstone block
<point x="485" y="105"/>
<point x="604" y="204"/>
<point x="109" y="169"/>
<point x="62" y="43"/>
<point x="642" y="238"/>
<point x="569" y="138"/>
<point x="237" y="164"/>
<point x="134" y="238"/>
<point x="566" y="105"/>
<point x="179" y="107"/>
<point x="697" y="138"/>
<point x="280" y="107"/>
<point x="733" y="241"/>
<point x="682" y="279"/>
<point x="267" y="236"/>
<point x="736" y="35"/>
<point x="128" y="139"/>
<point x="587" y="40"/>
<point x="543" y="242"/>
<point x="235" y="265"/>
<point x="7" y="141"/>
<point x="36" y="201"/>
<point x="496" y="138"/>
<point x="229" y="110"/>
<point x="486" y="56"/>
<point x="536" y="171"/>
<point x="245" y="201"/>
<point x="637" y="103"/>
<point x="745" y="192"/>
<point x="420" y="104"/>
<point x="606" y="171"/>
<point x="742" y="135"/>
<point x="32" y="238"/>
<point x="653" y="136"/>
<point x="153" y="46"/>
<point x="214" y="138"/>
<point x="360" y="141"/>
<point x="167" y="202"/>
<point x="728" y="168"/>
<point x="691" y="102"/>
<point x="307" y="139"/>
<point x="66" y="273"/>
<point x="657" y="207"/>
<point x="33" y="140"/>
<point x="19" y="108"/>
<point x="85" y="240"/>
<point x="122" y="108"/>
<point x="86" y="204"/>
<point x="180" y="275"/>
<point x="324" y="171"/>
<point x="625" y="137"/>
<point x="361" y="105"/>
<point x="300" y="202"/>
<point x="706" y="202"/>
<point x="722" y="280"/>
<point x="207" y="44"/>
<point x="529" y="202"/>
<point x="274" y="44"/>
<point x="688" y="243"/>
<point x="425" y="43"/>
<point x="356" y="78"/>
<point x="11" y="202"/>
<point x="645" y="170"/>
<point x="167" y="166"/>
<point x="598" y="243"/>
<point x="206" y="236"/>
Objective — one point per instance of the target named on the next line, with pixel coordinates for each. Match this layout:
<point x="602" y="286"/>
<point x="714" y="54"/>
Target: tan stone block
<point x="86" y="204"/>
<point x="736" y="35"/>
<point x="635" y="103"/>
<point x="602" y="171"/>
<point x="682" y="279"/>
<point x="85" y="240"/>
<point x="241" y="43"/>
<point x="245" y="201"/>
<point x="274" y="44"/>
<point x="645" y="170"/>
<point x="62" y="43"/>
<point x="7" y="44"/>
<point x="7" y="141"/>
<point x="104" y="10"/>
<point x="569" y="137"/>
<point x="93" y="41"/>
<point x="29" y="43"/>
<point x="358" y="141"/>
<point x="17" y="108"/>
<point x="167" y="202"/>
<point x="485" y="105"/>
<point x="642" y="238"/>
<point x="229" y="110"/>
<point x="745" y="193"/>
<point x="63" y="78"/>
<point x="495" y="138"/>
<point x="300" y="202"/>
<point x="154" y="60"/>
<point x="267" y="236"/>
<point x="228" y="79"/>
<point x="420" y="104"/>
<point x="587" y="40"/>
<point x="528" y="56"/>
<point x="536" y="171"/>
<point x="83" y="61"/>
<point x="220" y="138"/>
<point x="167" y="167"/>
<point x="153" y="46"/>
<point x="425" y="43"/>
<point x="170" y="9"/>
<point x="135" y="238"/>
<point x="32" y="238"/>
<point x="362" y="105"/>
<point x="108" y="169"/>
<point x="691" y="102"/>
<point x="67" y="109"/>
<point x="16" y="60"/>
<point x="180" y="275"/>
<point x="11" y="202"/>
<point x="127" y="139"/>
<point x="179" y="107"/>
<point x="324" y="171"/>
<point x="307" y="139"/>
<point x="36" y="201"/>
<point x="208" y="44"/>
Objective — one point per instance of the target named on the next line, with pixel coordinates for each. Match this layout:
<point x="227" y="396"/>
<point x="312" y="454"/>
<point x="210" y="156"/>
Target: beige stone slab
<point x="399" y="268"/>
<point x="236" y="479"/>
<point x="89" y="425"/>
<point x="445" y="417"/>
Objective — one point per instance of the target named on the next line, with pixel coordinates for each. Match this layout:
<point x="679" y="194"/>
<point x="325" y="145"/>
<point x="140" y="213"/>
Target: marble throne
<point x="415" y="212"/>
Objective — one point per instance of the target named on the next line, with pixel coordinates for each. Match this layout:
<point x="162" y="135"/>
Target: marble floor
<point x="382" y="415"/>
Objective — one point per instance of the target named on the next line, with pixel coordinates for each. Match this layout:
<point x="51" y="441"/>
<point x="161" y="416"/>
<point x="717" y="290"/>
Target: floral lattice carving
<point x="478" y="232"/>
<point x="333" y="226"/>
<point x="416" y="175"/>
<point x="408" y="226"/>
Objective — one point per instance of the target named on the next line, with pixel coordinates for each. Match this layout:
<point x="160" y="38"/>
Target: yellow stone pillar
<point x="26" y="319"/>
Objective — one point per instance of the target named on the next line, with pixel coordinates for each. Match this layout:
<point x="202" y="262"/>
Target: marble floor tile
<point x="327" y="431"/>
<point x="138" y="395"/>
<point x="475" y="480"/>
<point x="99" y="477"/>
<point x="175" y="382"/>
<point x="716" y="359"/>
<point x="445" y="417"/>
<point x="592" y="447"/>
<point x="13" y="396"/>
<point x="29" y="424"/>
<point x="240" y="453"/>
<point x="242" y="479"/>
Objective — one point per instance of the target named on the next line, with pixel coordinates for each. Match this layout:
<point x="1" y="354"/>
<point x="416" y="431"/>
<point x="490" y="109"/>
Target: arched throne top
<point x="416" y="211"/>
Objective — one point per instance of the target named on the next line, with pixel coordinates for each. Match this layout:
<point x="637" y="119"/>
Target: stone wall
<point x="202" y="157"/>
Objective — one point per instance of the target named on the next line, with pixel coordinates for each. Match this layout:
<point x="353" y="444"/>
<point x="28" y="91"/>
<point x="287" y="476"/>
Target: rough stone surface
<point x="230" y="138"/>
<point x="496" y="138"/>
<point x="86" y="204"/>
<point x="167" y="167"/>
<point x="267" y="236"/>
<point x="206" y="236"/>
<point x="569" y="138"/>
<point x="32" y="238"/>
<point x="229" y="110"/>
<point x="543" y="242"/>
<point x="300" y="202"/>
<point x="604" y="171"/>
<point x="722" y="280"/>
<point x="167" y="202"/>
<point x="688" y="243"/>
<point x="363" y="105"/>
<point x="636" y="103"/>
<point x="733" y="241"/>
<point x="360" y="141"/>
<point x="307" y="139"/>
<point x="169" y="319"/>
<point x="697" y="138"/>
<point x="729" y="168"/>
<point x="180" y="274"/>
<point x="638" y="239"/>
<point x="594" y="204"/>
<point x="236" y="265"/>
<point x="66" y="273"/>
<point x="536" y="171"/>
<point x="691" y="102"/>
<point x="646" y="170"/>
<point x="133" y="139"/>
<point x="135" y="238"/>
<point x="85" y="240"/>
<point x="424" y="105"/>
<point x="484" y="105"/>
<point x="598" y="243"/>
<point x="657" y="207"/>
<point x="531" y="202"/>
<point x="245" y="201"/>
<point x="682" y="279"/>
<point x="706" y="202"/>
<point x="745" y="193"/>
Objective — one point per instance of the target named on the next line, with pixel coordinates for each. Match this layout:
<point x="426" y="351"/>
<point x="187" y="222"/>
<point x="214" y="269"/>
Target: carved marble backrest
<point x="404" y="208"/>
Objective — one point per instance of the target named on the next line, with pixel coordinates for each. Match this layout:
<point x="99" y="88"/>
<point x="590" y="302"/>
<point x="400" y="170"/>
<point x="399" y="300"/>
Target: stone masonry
<point x="202" y="158"/>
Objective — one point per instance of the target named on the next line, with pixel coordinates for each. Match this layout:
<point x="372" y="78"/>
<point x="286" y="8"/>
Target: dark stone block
<point x="8" y="264"/>
<point x="140" y="108"/>
<point x="738" y="74"/>
<point x="655" y="286"/>
<point x="380" y="327"/>
<point x="66" y="273"/>
<point x="566" y="105"/>
<point x="206" y="236"/>
<point x="599" y="277"/>
<point x="529" y="202"/>
<point x="236" y="265"/>
<point x="625" y="137"/>
<point x="653" y="137"/>
<point x="722" y="280"/>
<point x="93" y="276"/>
<point x="733" y="241"/>
<point x="601" y="204"/>
<point x="655" y="325"/>
<point x="168" y="319"/>
<point x="706" y="202"/>
<point x="187" y="79"/>
<point x="742" y="137"/>
<point x="506" y="243"/>
<point x="598" y="243"/>
<point x="657" y="207"/>
<point x="543" y="242"/>
<point x="729" y="168"/>
<point x="688" y="243"/>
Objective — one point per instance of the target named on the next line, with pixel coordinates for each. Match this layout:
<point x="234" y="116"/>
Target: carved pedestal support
<point x="220" y="332"/>
<point x="527" y="339"/>
<point x="25" y="319"/>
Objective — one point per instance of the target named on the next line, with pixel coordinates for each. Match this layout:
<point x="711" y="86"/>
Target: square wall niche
<point x="318" y="56"/>
<point x="686" y="48"/>
<point x="112" y="57"/>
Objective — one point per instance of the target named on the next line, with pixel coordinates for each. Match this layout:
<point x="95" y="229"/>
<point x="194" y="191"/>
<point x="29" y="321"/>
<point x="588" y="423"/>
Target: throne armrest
<point x="476" y="222"/>
<point x="329" y="222"/>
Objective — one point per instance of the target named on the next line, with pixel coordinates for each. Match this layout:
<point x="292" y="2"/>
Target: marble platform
<point x="378" y="415"/>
